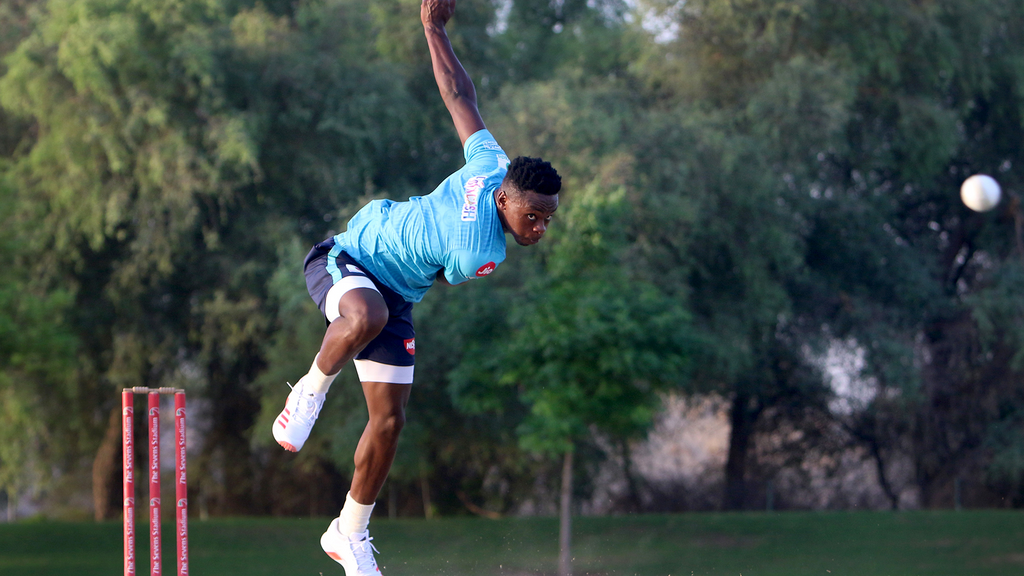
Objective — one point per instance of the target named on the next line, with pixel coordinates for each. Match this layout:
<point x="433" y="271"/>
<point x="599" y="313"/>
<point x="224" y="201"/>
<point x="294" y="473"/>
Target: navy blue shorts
<point x="327" y="265"/>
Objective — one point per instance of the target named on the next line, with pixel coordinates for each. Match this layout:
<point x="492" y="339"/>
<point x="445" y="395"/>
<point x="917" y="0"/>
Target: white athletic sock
<point x="354" y="517"/>
<point x="315" y="381"/>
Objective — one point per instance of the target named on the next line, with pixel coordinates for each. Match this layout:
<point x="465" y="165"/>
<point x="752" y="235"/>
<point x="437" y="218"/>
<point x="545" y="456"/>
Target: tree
<point x="588" y="346"/>
<point x="167" y="152"/>
<point x="36" y="352"/>
<point x="933" y="106"/>
<point x="854" y="125"/>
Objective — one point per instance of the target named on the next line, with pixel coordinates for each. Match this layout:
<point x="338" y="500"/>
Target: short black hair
<point x="533" y="175"/>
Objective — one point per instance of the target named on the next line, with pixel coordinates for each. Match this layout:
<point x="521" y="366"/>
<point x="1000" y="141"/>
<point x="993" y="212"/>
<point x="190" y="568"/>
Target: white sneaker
<point x="294" y="423"/>
<point x="353" y="552"/>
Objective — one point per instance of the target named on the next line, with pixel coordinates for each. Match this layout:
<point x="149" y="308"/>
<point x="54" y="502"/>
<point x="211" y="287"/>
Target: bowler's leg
<point x="347" y="539"/>
<point x="376" y="449"/>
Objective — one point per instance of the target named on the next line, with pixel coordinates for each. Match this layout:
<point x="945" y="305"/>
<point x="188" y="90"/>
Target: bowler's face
<point x="526" y="216"/>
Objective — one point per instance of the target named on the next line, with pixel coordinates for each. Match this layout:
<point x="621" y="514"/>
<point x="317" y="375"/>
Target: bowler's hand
<point x="436" y="12"/>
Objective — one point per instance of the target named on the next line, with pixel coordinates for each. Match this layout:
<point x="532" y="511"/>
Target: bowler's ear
<point x="501" y="199"/>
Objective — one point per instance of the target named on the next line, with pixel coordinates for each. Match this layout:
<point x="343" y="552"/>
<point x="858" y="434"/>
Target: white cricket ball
<point x="980" y="193"/>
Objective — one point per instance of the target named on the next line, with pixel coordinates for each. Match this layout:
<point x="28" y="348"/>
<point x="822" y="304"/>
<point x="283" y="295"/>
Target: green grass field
<point x="749" y="544"/>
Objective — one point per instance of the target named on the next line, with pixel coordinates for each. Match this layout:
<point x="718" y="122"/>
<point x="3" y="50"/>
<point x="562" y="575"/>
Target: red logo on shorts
<point x="410" y="346"/>
<point x="486" y="269"/>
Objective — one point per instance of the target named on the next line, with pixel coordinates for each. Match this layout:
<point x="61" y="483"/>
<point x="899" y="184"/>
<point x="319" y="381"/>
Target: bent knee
<point x="391" y="425"/>
<point x="365" y="321"/>
<point x="368" y="323"/>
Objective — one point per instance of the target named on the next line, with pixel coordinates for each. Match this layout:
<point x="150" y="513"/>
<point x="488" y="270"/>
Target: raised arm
<point x="453" y="81"/>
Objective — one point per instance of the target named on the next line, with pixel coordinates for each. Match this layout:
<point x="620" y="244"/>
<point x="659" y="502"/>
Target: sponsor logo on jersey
<point x="486" y="269"/>
<point x="490" y="145"/>
<point x="410" y="346"/>
<point x="470" y="195"/>
<point x="503" y="161"/>
<point x="353" y="269"/>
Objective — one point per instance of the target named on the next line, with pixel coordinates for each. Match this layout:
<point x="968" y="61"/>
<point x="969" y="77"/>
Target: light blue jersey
<point x="454" y="228"/>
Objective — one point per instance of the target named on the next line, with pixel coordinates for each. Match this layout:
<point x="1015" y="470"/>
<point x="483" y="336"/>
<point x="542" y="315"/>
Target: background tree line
<point x="750" y="186"/>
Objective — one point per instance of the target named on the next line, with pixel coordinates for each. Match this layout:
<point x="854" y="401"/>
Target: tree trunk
<point x="565" y="515"/>
<point x="632" y="490"/>
<point x="227" y="453"/>
<point x="739" y="440"/>
<point x="428" y="509"/>
<point x="883" y="479"/>
<point x="105" y="466"/>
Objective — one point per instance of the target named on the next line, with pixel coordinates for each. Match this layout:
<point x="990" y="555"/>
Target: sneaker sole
<point x="284" y="444"/>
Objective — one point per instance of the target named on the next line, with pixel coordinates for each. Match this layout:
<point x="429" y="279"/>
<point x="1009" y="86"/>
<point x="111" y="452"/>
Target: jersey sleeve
<point x="483" y="154"/>
<point x="463" y="265"/>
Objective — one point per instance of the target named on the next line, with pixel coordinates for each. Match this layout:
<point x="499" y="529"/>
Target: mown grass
<point x="744" y="544"/>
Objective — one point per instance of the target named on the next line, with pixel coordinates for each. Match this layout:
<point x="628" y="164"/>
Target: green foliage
<point x="37" y="349"/>
<point x="118" y="143"/>
<point x="172" y="149"/>
<point x="819" y="147"/>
